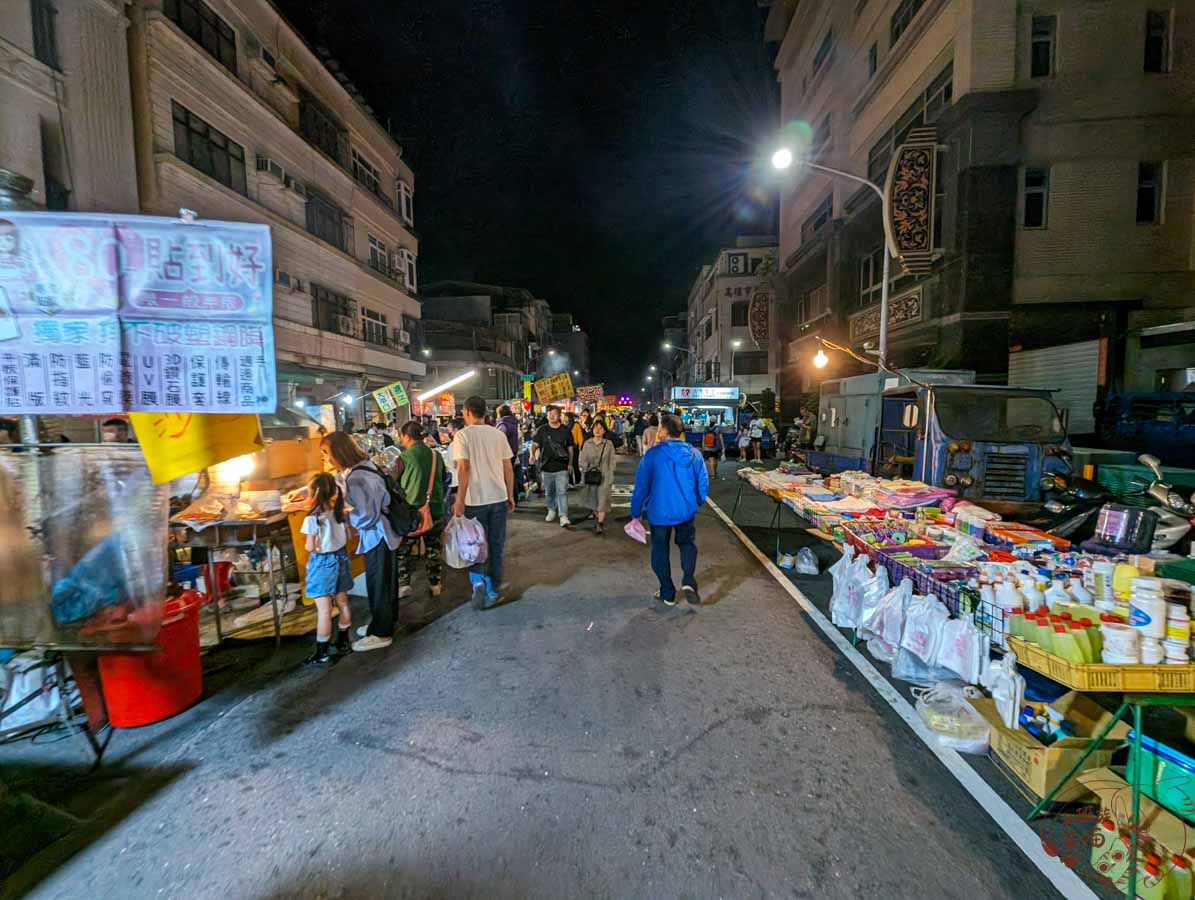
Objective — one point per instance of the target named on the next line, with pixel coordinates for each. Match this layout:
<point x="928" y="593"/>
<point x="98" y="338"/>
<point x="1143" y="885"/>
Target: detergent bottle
<point x="1080" y="592"/>
<point x="1063" y="644"/>
<point x="1094" y="638"/>
<point x="1079" y="633"/>
<point x="1180" y="879"/>
<point x="1045" y="632"/>
<point x="1110" y="851"/>
<point x="1152" y="882"/>
<point x="1032" y="591"/>
<point x="1057" y="596"/>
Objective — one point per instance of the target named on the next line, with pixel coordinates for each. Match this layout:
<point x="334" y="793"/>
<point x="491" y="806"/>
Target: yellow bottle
<point x="1063" y="644"/>
<point x="1122" y="580"/>
<point x="1079" y="633"/>
<point x="1045" y="634"/>
<point x="1109" y="850"/>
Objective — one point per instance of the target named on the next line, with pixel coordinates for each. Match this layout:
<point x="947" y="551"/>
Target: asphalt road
<point x="579" y="741"/>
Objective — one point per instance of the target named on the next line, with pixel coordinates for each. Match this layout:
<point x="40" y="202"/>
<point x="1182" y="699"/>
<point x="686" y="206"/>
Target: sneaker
<point x="599" y="528"/>
<point x="691" y="594"/>
<point x="404" y="592"/>
<point x="551" y="516"/>
<point x="564" y="523"/>
<point x="670" y="601"/>
<point x="321" y="657"/>
<point x="372" y="642"/>
<point x="481" y="596"/>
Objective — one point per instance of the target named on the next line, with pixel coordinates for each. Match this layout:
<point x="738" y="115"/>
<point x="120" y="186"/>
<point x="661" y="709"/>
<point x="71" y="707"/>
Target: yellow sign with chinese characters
<point x="554" y="387"/>
<point x="178" y="444"/>
<point x="390" y="398"/>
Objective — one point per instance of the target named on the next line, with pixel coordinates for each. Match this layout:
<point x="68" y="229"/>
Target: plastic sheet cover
<point x="82" y="548"/>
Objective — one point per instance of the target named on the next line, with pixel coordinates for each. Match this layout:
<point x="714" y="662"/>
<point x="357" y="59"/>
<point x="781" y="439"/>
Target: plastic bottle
<point x="1122" y="580"/>
<point x="1105" y="841"/>
<point x="1152" y="882"/>
<point x="1016" y="623"/>
<point x="1045" y="633"/>
<point x="1181" y="884"/>
<point x="1152" y="652"/>
<point x="1056" y="594"/>
<point x="1079" y="633"/>
<point x="1032" y="591"/>
<point x="1147" y="609"/>
<point x="1094" y="638"/>
<point x="1080" y="592"/>
<point x="1065" y="645"/>
<point x="1102" y="573"/>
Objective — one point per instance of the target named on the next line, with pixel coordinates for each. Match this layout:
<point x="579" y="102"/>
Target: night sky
<point x="595" y="153"/>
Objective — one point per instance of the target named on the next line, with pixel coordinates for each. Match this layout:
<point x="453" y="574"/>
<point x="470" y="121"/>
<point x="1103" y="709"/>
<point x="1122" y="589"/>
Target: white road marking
<point x="1063" y="878"/>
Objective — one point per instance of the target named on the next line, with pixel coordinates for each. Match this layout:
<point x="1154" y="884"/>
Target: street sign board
<point x="104" y="313"/>
<point x="390" y="398"/>
<point x="554" y="387"/>
<point x="591" y="393"/>
<point x="706" y="392"/>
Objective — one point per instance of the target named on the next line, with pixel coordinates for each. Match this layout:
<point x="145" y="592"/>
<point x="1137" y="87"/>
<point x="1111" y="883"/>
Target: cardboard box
<point x="1039" y="767"/>
<point x="1158" y="824"/>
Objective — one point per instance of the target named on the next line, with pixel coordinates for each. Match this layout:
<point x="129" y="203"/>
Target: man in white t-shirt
<point x="485" y="492"/>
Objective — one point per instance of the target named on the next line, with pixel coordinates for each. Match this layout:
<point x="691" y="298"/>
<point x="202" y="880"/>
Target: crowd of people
<point x="479" y="466"/>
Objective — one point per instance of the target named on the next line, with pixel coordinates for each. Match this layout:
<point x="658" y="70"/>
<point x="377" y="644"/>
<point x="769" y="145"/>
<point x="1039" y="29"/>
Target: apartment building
<point x="1064" y="248"/>
<point x="724" y="345"/>
<point x="461" y="335"/>
<point x="572" y="350"/>
<point x="238" y="118"/>
<point x="66" y="123"/>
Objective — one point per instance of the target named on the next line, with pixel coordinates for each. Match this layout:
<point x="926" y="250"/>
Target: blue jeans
<point x="556" y="488"/>
<point x="661" y="561"/>
<point x="492" y="517"/>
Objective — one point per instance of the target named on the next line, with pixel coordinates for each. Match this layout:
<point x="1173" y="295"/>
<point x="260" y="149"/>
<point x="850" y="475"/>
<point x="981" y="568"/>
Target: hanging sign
<point x="390" y="398"/>
<point x="109" y="314"/>
<point x="553" y="388"/>
<point x="910" y="189"/>
<point x="759" y="316"/>
<point x="440" y="405"/>
<point x="528" y="381"/>
<point x="591" y="393"/>
<point x="178" y="444"/>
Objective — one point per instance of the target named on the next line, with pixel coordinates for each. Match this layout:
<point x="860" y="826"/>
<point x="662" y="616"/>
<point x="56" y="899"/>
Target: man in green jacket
<point x="417" y="462"/>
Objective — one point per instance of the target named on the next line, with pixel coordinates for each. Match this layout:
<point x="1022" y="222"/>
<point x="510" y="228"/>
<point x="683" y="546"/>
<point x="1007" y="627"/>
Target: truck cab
<point x="988" y="443"/>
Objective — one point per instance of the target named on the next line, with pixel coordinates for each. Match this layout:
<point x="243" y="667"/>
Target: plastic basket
<point x="1100" y="677"/>
<point x="1119" y="480"/>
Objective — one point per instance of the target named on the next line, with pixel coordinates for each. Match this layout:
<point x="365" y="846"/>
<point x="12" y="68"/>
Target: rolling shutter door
<point x="1071" y="370"/>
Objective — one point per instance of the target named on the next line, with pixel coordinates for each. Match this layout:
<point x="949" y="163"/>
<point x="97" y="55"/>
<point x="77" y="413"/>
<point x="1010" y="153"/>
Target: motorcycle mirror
<point x="1152" y="462"/>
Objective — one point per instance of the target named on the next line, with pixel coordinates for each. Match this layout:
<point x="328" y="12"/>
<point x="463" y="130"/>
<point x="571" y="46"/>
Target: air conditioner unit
<point x="262" y="60"/>
<point x="298" y="187"/>
<point x="282" y="277"/>
<point x="272" y="168"/>
<point x="344" y="325"/>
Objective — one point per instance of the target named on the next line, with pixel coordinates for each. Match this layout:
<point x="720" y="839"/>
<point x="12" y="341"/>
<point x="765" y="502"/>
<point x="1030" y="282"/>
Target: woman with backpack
<point x="713" y="448"/>
<point x="597" y="468"/>
<point x="367" y="497"/>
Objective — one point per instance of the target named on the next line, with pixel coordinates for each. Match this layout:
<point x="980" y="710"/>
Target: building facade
<point x="66" y="120"/>
<point x="571" y="346"/>
<point x="461" y="335"/>
<point x="238" y="118"/>
<point x="723" y="345"/>
<point x="1063" y="206"/>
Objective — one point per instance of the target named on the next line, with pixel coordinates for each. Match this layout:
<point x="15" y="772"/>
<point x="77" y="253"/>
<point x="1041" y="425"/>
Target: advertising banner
<point x="390" y="398"/>
<point x="553" y="388"/>
<point x="591" y="393"/>
<point x="527" y="380"/>
<point x="102" y="313"/>
<point x="177" y="444"/>
<point x="440" y="405"/>
<point x="705" y="393"/>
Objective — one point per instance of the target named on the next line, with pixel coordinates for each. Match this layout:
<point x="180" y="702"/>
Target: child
<point x="327" y="567"/>
<point x="744" y="442"/>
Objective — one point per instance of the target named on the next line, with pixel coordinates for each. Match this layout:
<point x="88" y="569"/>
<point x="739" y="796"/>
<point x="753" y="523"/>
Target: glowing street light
<point x="651" y="368"/>
<point x="551" y="353"/>
<point x="452" y="382"/>
<point x="426" y="352"/>
<point x="782" y="158"/>
<point x="649" y="378"/>
<point x="576" y="373"/>
<point x="821" y="359"/>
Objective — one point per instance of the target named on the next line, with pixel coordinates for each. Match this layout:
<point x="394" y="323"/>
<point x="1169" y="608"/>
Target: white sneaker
<point x="372" y="642"/>
<point x="404" y="592"/>
<point x="362" y="631"/>
<point x="551" y="516"/>
<point x="564" y="523"/>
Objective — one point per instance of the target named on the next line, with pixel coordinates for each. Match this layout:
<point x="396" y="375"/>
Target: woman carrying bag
<point x="597" y="463"/>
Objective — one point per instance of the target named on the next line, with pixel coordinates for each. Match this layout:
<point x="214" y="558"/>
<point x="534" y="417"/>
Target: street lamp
<point x="651" y="368"/>
<point x="426" y="352"/>
<point x="551" y="353"/>
<point x="783" y="159"/>
<point x="576" y="373"/>
<point x="821" y="359"/>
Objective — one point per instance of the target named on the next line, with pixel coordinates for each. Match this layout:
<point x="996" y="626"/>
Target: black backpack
<point x="403" y="517"/>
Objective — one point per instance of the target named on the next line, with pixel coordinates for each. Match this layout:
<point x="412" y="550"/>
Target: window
<point x="1037" y="193"/>
<point x="815" y="304"/>
<point x="873" y="60"/>
<point x="208" y="150"/>
<point x="373" y="327"/>
<point x="709" y="371"/>
<point x="45" y="33"/>
<point x="205" y="28"/>
<point x="821" y="137"/>
<point x="709" y="328"/>
<point x="751" y="362"/>
<point x="366" y="172"/>
<point x="925" y="109"/>
<point x="903" y="17"/>
<point x="940" y="182"/>
<point x="407" y="260"/>
<point x="320" y="128"/>
<point x="738" y="313"/>
<point x="406" y="203"/>
<point x="333" y="312"/>
<point x="327" y="221"/>
<point x="1041" y="46"/>
<point x="379" y="257"/>
<point x="1157" y="41"/>
<point x="824" y="52"/>
<point x="871" y="277"/>
<point x="819" y="220"/>
<point x="1149" y="193"/>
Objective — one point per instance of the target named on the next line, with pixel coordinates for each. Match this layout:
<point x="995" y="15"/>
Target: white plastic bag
<point x="963" y="650"/>
<point x="1007" y="688"/>
<point x="848" y="587"/>
<point x="464" y="543"/>
<point x="883" y="628"/>
<point x="806" y="562"/>
<point x="839" y="569"/>
<point x="923" y="628"/>
<point x="955" y="723"/>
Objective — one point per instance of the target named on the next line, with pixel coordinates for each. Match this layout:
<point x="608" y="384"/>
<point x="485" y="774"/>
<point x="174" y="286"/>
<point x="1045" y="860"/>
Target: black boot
<point x="344" y="641"/>
<point x="321" y="657"/>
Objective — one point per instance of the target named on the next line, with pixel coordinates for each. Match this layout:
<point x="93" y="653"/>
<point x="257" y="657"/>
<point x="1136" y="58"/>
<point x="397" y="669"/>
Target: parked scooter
<point x="1174" y="513"/>
<point x="1074" y="506"/>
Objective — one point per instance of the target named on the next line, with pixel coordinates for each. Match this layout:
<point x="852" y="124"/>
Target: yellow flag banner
<point x="177" y="444"/>
<point x="390" y="398"/>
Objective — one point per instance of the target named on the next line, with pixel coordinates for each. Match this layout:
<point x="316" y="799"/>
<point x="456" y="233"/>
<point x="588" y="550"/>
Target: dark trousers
<point x="379" y="584"/>
<point x="492" y="517"/>
<point x="661" y="561"/>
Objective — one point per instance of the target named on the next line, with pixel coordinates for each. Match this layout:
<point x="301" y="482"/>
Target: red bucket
<point x="146" y="687"/>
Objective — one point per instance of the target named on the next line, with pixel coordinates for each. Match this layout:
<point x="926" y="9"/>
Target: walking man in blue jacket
<point x="670" y="485"/>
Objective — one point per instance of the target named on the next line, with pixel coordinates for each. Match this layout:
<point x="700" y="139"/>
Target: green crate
<point x="1118" y="480"/>
<point x="1180" y="569"/>
<point x="1165" y="775"/>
